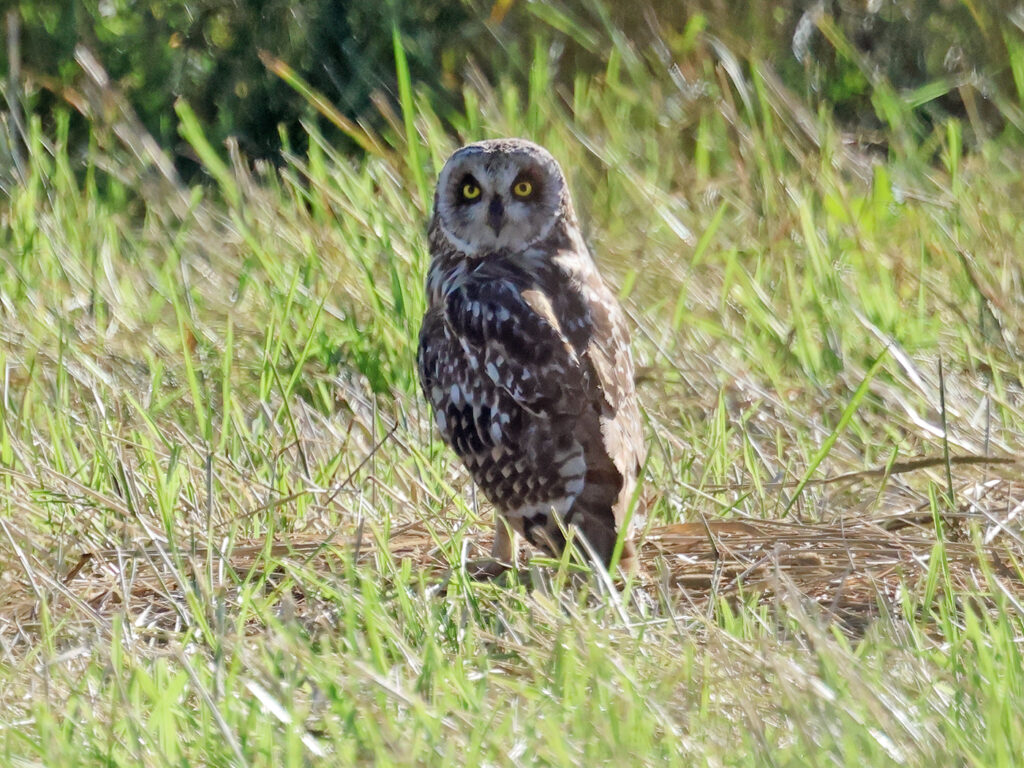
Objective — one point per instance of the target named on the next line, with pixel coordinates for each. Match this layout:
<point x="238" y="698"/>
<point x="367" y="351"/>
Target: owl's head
<point x="499" y="194"/>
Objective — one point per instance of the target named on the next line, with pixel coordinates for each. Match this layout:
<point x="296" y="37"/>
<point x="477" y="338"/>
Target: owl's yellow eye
<point x="470" y="191"/>
<point x="522" y="189"/>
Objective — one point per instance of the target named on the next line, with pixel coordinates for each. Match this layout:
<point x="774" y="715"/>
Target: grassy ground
<point x="222" y="503"/>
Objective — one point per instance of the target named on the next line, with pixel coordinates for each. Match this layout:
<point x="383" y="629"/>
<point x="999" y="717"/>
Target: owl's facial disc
<point x="492" y="197"/>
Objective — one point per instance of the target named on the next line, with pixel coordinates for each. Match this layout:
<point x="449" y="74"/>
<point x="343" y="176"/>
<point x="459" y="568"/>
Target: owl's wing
<point x="598" y="327"/>
<point x="613" y="365"/>
<point x="607" y="343"/>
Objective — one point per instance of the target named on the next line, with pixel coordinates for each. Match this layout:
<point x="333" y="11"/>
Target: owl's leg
<point x="602" y="539"/>
<point x="503" y="552"/>
<point x="628" y="562"/>
<point x="503" y="549"/>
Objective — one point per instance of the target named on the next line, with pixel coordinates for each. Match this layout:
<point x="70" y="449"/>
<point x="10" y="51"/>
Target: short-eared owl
<point x="524" y="353"/>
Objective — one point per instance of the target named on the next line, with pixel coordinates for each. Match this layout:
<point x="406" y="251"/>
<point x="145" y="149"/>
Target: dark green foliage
<point x="207" y="52"/>
<point x="871" y="64"/>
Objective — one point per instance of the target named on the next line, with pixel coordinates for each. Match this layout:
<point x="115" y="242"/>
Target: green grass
<point x="201" y="386"/>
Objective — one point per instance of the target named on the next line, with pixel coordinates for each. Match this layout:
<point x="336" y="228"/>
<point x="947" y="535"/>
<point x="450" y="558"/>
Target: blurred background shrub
<point x="936" y="57"/>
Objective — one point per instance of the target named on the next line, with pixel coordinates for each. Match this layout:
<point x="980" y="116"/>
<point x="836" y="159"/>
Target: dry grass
<point x="853" y="569"/>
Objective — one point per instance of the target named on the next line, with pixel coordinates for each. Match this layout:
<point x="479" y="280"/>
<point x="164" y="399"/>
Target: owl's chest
<point x="472" y="411"/>
<point x="515" y="456"/>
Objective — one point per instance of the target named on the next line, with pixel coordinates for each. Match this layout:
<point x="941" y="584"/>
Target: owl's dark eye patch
<point x="468" y="190"/>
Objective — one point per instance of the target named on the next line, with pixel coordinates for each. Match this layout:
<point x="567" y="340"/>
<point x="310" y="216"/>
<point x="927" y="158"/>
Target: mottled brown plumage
<point x="524" y="352"/>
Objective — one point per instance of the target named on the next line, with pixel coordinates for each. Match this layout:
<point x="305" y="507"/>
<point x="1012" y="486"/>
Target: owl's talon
<point x="477" y="570"/>
<point x="486" y="570"/>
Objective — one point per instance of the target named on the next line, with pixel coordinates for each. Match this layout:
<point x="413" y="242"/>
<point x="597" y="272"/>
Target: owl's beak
<point x="495" y="214"/>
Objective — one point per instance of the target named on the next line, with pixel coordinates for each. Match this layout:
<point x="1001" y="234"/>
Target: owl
<point x="524" y="355"/>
